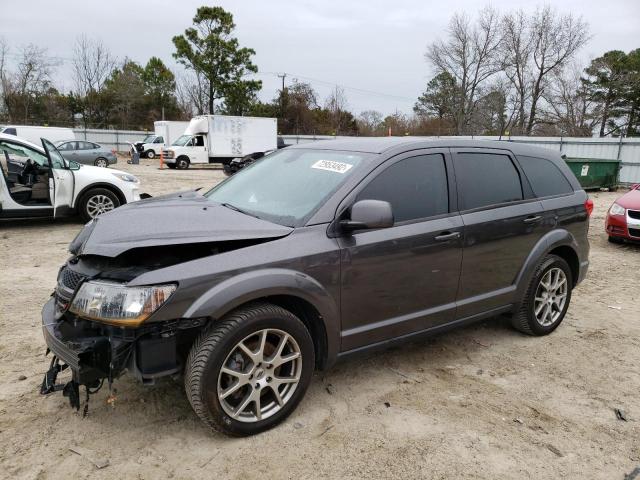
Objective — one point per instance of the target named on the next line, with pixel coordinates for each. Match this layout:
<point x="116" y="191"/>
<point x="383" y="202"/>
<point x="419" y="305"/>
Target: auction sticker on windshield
<point x="330" y="165"/>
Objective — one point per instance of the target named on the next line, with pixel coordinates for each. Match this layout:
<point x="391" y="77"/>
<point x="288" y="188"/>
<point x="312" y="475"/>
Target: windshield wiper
<point x="237" y="209"/>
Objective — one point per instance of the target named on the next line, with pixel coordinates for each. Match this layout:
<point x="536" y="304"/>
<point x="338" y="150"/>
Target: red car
<point x="623" y="218"/>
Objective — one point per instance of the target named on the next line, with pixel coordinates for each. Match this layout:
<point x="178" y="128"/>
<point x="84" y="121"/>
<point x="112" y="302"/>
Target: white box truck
<point x="165" y="132"/>
<point x="221" y="138"/>
<point x="33" y="134"/>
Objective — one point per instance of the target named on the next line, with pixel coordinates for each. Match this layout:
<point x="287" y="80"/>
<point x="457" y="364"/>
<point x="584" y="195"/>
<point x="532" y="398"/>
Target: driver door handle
<point x="446" y="236"/>
<point x="533" y="219"/>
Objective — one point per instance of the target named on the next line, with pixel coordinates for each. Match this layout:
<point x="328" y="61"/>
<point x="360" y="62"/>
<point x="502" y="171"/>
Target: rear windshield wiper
<point x="237" y="209"/>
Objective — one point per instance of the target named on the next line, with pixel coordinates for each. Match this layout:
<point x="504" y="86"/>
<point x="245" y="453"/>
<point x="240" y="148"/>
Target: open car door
<point x="61" y="179"/>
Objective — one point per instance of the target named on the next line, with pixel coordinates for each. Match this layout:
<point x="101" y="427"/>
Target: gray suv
<point x="311" y="254"/>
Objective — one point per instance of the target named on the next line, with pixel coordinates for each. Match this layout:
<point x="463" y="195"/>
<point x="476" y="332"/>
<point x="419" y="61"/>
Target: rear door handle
<point x="534" y="219"/>
<point x="445" y="236"/>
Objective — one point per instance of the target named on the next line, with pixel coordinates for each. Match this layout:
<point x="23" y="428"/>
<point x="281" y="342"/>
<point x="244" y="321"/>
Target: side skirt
<point x="425" y="333"/>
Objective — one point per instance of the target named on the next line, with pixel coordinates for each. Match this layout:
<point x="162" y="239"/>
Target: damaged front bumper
<point x="95" y="352"/>
<point x="91" y="356"/>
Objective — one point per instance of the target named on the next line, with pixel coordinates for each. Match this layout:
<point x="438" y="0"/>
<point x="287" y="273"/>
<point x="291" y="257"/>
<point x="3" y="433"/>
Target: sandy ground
<point x="482" y="402"/>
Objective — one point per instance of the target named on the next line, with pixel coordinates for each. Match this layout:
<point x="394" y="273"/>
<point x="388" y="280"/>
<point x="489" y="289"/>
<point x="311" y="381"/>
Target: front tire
<point x="547" y="298"/>
<point x="96" y="202"/>
<point x="150" y="154"/>
<point x="248" y="372"/>
<point x="182" y="163"/>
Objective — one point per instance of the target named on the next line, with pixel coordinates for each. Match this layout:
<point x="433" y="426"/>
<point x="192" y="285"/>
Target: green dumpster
<point x="595" y="172"/>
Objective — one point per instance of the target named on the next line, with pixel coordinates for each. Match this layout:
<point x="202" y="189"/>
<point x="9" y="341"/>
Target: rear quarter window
<point x="486" y="179"/>
<point x="545" y="177"/>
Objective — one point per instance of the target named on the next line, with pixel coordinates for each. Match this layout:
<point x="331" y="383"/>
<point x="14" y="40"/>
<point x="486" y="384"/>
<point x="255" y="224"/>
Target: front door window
<point x="26" y="172"/>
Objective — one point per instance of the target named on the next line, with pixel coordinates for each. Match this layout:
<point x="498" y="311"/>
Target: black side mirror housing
<point x="369" y="214"/>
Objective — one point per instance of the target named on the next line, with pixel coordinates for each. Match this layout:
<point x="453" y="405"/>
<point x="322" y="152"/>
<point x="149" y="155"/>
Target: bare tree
<point x="4" y="52"/>
<point x="469" y="55"/>
<point x="92" y="66"/>
<point x="32" y="77"/>
<point x="192" y="93"/>
<point x="569" y="105"/>
<point x="515" y="53"/>
<point x="336" y="104"/>
<point x="370" y="122"/>
<point x="555" y="40"/>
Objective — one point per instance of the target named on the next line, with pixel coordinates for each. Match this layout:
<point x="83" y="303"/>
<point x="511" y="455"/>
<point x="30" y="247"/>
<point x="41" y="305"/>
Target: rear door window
<point x="415" y="187"/>
<point x="545" y="177"/>
<point x="486" y="179"/>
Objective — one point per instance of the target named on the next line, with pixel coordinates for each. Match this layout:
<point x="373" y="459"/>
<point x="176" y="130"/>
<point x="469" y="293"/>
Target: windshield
<point x="181" y="140"/>
<point x="288" y="186"/>
<point x="149" y="139"/>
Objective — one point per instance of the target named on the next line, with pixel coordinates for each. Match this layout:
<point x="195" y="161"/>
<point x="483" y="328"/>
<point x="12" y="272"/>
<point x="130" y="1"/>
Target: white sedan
<point x="38" y="182"/>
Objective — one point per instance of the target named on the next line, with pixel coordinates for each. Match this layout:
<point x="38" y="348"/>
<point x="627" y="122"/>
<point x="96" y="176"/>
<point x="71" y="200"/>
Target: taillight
<point x="588" y="204"/>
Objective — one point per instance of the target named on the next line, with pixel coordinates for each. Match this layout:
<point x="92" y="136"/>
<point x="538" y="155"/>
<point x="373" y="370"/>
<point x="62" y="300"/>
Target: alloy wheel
<point x="101" y="162"/>
<point x="551" y="296"/>
<point x="260" y="375"/>
<point x="99" y="204"/>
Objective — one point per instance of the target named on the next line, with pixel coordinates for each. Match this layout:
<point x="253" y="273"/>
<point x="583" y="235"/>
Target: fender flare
<point x="550" y="241"/>
<point x="253" y="285"/>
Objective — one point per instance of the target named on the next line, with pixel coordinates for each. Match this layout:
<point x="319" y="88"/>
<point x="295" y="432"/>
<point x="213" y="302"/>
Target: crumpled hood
<point x="176" y="219"/>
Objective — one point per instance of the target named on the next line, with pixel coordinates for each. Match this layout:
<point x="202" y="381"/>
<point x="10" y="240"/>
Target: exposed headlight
<point x="169" y="153"/>
<point x="617" y="209"/>
<point x="125" y="177"/>
<point x="118" y="304"/>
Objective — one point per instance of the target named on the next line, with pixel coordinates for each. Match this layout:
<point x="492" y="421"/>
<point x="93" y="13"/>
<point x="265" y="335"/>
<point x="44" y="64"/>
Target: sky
<point x="373" y="49"/>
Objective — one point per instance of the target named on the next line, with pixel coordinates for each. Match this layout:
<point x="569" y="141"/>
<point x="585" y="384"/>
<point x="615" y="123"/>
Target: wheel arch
<point x="294" y="291"/>
<point x="106" y="186"/>
<point x="558" y="242"/>
<point x="570" y="256"/>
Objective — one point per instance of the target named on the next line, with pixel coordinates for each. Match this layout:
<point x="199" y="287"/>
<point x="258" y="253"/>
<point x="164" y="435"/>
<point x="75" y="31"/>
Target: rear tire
<point x="543" y="309"/>
<point x="227" y="386"/>
<point x="96" y="202"/>
<point x="101" y="162"/>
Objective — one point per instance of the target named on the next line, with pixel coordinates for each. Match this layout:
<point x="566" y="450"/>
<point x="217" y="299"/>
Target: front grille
<point x="634" y="232"/>
<point x="634" y="214"/>
<point x="70" y="279"/>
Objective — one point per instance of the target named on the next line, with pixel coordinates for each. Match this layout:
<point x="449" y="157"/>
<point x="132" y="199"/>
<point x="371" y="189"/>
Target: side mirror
<point x="74" y="165"/>
<point x="369" y="214"/>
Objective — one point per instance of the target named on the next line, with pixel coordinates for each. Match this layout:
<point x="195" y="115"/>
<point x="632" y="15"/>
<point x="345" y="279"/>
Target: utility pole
<point x="283" y="76"/>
